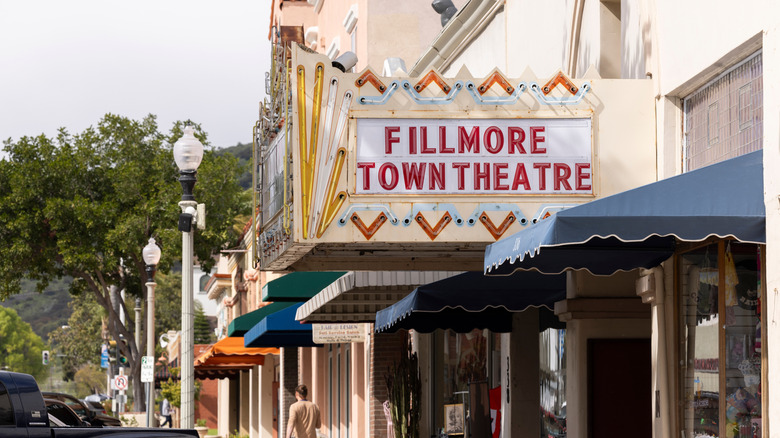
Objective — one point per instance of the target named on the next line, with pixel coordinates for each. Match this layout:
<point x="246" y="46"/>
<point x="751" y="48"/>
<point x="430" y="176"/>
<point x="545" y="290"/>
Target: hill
<point x="244" y="154"/>
<point x="43" y="311"/>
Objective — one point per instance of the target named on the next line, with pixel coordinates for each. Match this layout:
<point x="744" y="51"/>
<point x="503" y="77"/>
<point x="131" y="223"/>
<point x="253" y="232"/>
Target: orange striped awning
<point x="231" y="351"/>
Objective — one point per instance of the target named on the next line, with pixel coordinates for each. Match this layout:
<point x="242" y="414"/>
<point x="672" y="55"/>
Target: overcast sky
<point x="67" y="63"/>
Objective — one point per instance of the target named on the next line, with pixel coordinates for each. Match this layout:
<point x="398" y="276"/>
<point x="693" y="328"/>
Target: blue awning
<point x="640" y="227"/>
<point x="471" y="300"/>
<point x="280" y="329"/>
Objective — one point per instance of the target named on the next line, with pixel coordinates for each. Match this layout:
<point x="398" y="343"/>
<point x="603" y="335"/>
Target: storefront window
<point x="720" y="341"/>
<point x="466" y="372"/>
<point x="552" y="382"/>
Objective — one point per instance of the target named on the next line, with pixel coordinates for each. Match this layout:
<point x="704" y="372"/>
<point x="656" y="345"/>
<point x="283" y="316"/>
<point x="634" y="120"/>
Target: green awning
<point x="298" y="286"/>
<point x="242" y="324"/>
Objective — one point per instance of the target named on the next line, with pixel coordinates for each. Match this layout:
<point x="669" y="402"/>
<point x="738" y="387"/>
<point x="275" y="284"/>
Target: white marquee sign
<point x="474" y="156"/>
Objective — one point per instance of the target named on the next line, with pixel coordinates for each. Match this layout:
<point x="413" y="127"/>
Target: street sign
<point x="147" y="369"/>
<point x="120" y="382"/>
<point x="104" y="356"/>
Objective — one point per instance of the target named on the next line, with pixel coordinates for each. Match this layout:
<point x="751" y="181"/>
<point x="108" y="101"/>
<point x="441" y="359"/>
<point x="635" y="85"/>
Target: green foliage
<point x="167" y="305"/>
<point x="128" y="421"/>
<point x="43" y="311"/>
<point x="85" y="205"/>
<point x="200" y="422"/>
<point x="20" y="347"/>
<point x="90" y="379"/>
<point x="202" y="329"/>
<point x="80" y="342"/>
<point x="171" y="389"/>
<point x="404" y="389"/>
<point x="243" y="152"/>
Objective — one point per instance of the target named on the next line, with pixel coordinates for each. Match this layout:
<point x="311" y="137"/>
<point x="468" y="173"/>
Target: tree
<point x="202" y="329"/>
<point x="20" y="348"/>
<point x="167" y="307"/>
<point x="90" y="379"/>
<point x="85" y="205"/>
<point x="80" y="341"/>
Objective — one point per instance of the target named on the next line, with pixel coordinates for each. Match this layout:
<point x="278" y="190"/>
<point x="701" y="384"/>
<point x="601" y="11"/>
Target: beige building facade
<point x="646" y="78"/>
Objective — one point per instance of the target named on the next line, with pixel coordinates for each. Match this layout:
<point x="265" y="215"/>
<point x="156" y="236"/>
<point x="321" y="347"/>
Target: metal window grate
<point x="724" y="119"/>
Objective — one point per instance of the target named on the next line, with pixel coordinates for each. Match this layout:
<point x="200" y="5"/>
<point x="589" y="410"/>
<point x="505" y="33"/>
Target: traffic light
<point x="122" y="357"/>
<point x="45" y="355"/>
<point x="112" y="351"/>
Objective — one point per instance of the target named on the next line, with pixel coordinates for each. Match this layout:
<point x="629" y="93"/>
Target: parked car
<point x="23" y="413"/>
<point x="83" y="411"/>
<point x="62" y="412"/>
<point x="95" y="407"/>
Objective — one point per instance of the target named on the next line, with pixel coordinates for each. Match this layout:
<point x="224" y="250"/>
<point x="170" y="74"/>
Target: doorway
<point x="619" y="388"/>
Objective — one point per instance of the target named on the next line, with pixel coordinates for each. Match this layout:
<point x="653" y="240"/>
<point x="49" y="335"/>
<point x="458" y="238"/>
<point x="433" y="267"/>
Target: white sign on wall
<point x="474" y="156"/>
<point x="339" y="333"/>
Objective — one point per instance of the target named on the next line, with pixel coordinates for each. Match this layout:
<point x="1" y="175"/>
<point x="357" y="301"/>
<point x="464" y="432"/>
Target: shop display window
<point x="719" y="296"/>
<point x="466" y="368"/>
<point x="552" y="382"/>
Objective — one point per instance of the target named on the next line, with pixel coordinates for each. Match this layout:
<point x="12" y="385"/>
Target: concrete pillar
<point x="771" y="117"/>
<point x="520" y="377"/>
<point x="243" y="407"/>
<point x="265" y="406"/>
<point x="254" y="397"/>
<point x="289" y="380"/>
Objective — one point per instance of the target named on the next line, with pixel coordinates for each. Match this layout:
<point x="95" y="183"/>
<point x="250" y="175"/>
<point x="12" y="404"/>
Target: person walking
<point x="304" y="416"/>
<point x="165" y="411"/>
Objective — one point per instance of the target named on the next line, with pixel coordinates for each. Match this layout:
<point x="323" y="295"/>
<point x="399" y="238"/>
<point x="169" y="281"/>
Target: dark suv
<point x="83" y="411"/>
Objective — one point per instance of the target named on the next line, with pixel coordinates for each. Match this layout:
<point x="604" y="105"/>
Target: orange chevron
<point x="370" y="77"/>
<point x="561" y="79"/>
<point x="433" y="232"/>
<point x="497" y="231"/>
<point x="432" y="76"/>
<point x="498" y="78"/>
<point x="369" y="231"/>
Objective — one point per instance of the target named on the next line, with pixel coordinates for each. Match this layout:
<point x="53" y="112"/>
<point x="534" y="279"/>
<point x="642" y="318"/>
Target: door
<point x="619" y="388"/>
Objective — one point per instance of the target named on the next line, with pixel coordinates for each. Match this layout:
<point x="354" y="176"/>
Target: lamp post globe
<point x="188" y="153"/>
<point x="151" y="255"/>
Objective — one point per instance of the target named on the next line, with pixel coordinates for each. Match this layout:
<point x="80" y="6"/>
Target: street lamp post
<point x="151" y="254"/>
<point x="187" y="152"/>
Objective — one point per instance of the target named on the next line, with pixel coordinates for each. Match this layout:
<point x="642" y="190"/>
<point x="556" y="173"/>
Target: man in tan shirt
<point x="304" y="416"/>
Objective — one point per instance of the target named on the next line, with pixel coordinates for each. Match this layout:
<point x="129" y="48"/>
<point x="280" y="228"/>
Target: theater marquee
<point x="365" y="172"/>
<point x="467" y="156"/>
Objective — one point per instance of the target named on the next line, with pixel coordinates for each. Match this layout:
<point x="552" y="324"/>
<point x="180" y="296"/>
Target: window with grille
<point x="724" y="119"/>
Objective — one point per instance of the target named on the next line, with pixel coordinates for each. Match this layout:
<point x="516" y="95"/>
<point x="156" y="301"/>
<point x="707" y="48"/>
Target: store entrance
<point x="619" y="388"/>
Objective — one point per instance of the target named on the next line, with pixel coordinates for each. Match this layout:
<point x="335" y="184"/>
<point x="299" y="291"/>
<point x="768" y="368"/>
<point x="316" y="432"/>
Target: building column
<point x="289" y="380"/>
<point x="223" y="407"/>
<point x="254" y="401"/>
<point x="520" y="377"/>
<point x="265" y="404"/>
<point x="244" y="389"/>
<point x="771" y="373"/>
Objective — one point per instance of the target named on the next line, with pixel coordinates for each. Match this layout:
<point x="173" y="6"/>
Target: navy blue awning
<point x="472" y="300"/>
<point x="640" y="227"/>
<point x="280" y="329"/>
